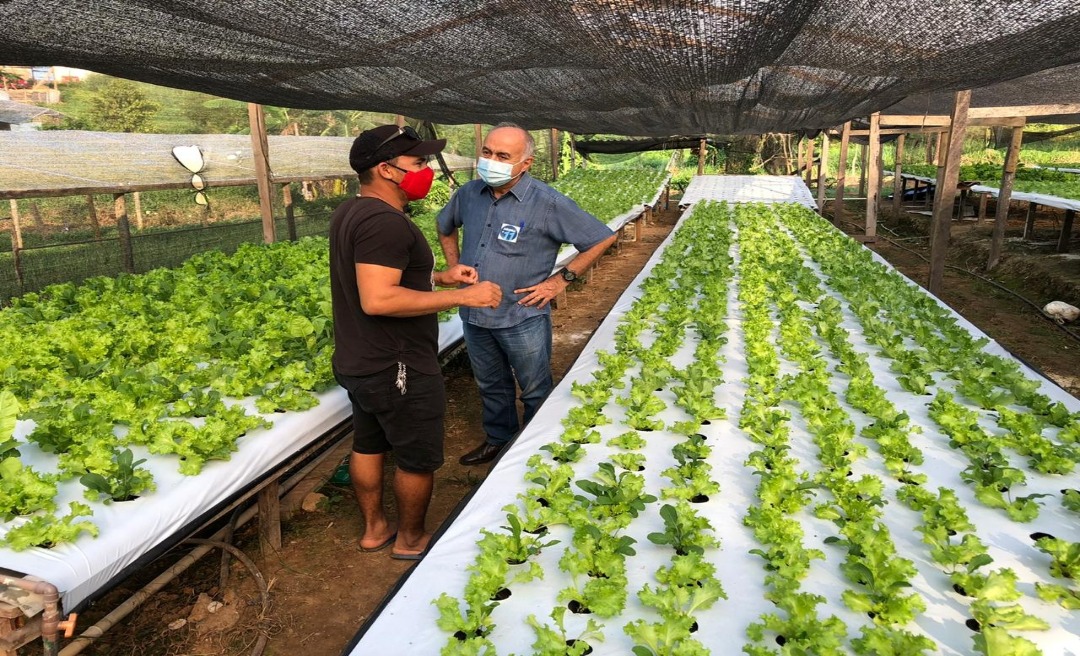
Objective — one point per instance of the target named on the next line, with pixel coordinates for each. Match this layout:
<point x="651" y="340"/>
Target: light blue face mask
<point x="495" y="174"/>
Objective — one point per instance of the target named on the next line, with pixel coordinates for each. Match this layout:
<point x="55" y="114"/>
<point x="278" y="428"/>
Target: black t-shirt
<point x="368" y="231"/>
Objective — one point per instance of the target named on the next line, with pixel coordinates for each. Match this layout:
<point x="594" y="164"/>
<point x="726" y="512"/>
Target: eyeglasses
<point x="405" y="129"/>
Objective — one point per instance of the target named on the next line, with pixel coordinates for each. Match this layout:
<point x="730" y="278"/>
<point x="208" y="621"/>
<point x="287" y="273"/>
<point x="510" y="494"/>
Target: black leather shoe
<point x="486" y="452"/>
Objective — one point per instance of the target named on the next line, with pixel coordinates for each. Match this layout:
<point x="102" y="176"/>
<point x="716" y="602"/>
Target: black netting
<point x="618" y="66"/>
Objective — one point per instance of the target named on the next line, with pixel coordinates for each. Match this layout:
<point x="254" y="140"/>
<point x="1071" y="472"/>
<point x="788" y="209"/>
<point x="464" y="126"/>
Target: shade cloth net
<point x="617" y="66"/>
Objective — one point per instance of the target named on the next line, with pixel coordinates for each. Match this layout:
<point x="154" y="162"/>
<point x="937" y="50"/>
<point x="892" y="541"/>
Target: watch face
<point x="569" y="275"/>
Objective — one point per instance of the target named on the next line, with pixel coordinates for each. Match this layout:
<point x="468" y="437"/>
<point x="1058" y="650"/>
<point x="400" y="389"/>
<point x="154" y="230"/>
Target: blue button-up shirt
<point x="514" y="241"/>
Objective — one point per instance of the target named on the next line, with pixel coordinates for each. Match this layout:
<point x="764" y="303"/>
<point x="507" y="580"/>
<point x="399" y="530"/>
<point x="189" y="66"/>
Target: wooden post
<point x="931" y="146"/>
<point x="1066" y="232"/>
<point x="269" y="520"/>
<point x="138" y="211"/>
<point x="841" y="174"/>
<point x="555" y="153"/>
<point x="982" y="207"/>
<point x="16" y="244"/>
<point x="290" y="219"/>
<point x="93" y="216"/>
<point x="898" y="182"/>
<point x="16" y="226"/>
<point x="823" y="172"/>
<point x="863" y="157"/>
<point x="478" y="132"/>
<point x="1029" y="224"/>
<point x="1001" y="214"/>
<point x="873" y="176"/>
<point x="260" y="151"/>
<point x="701" y="157"/>
<point x="809" y="162"/>
<point x="799" y="157"/>
<point x="943" y="204"/>
<point x="124" y="230"/>
<point x="940" y="154"/>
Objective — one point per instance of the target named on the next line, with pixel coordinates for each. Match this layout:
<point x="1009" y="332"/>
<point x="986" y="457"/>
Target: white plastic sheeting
<point x="407" y="622"/>
<point x="748" y="189"/>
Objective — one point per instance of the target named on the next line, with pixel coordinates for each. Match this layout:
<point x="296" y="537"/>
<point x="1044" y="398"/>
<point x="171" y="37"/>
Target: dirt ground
<point x="322" y="589"/>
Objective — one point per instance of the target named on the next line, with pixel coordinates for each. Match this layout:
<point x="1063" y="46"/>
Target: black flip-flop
<point x="389" y="541"/>
<point x="401" y="556"/>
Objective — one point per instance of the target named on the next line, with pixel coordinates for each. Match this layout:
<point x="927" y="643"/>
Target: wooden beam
<point x="1066" y="232"/>
<point x="260" y="152"/>
<point x="982" y="207"/>
<point x="898" y="182"/>
<point x="799" y="157"/>
<point x="823" y="172"/>
<point x="809" y="162"/>
<point x="124" y="230"/>
<point x="933" y="120"/>
<point x="841" y="174"/>
<point x="269" y="520"/>
<point x="478" y="132"/>
<point x="701" y="157"/>
<point x="92" y="211"/>
<point x="891" y="131"/>
<point x="873" y="175"/>
<point x="942" y="222"/>
<point x="1025" y="110"/>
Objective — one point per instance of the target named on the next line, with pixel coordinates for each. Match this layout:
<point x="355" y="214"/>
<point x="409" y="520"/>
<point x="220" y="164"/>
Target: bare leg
<point x="413" y="493"/>
<point x="366" y="472"/>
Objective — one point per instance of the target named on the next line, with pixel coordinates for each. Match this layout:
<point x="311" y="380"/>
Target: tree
<point x="119" y="106"/>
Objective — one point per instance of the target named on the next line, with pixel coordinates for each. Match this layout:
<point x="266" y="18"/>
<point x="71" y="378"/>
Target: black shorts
<point x="409" y="424"/>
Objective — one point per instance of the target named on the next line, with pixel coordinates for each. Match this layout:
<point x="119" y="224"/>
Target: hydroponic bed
<point x="767" y="448"/>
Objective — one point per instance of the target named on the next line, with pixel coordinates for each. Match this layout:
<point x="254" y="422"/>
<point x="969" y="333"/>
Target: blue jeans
<point x="498" y="356"/>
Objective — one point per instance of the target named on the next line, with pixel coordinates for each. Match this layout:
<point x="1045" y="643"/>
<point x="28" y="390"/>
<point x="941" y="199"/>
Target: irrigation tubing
<point x="264" y="590"/>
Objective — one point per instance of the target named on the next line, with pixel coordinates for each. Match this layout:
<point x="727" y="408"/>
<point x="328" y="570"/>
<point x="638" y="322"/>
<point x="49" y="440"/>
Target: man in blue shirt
<point x="513" y="226"/>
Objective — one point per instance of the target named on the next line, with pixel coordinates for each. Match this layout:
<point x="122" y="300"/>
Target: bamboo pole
<point x="701" y="157"/>
<point x="809" y="162"/>
<point x="823" y="172"/>
<point x="555" y="153"/>
<point x="799" y="157"/>
<point x="1066" y="232"/>
<point x="841" y="174"/>
<point x="16" y="225"/>
<point x="93" y="216"/>
<point x="897" y="183"/>
<point x="260" y="151"/>
<point x="943" y="204"/>
<point x="872" y="155"/>
<point x="290" y="218"/>
<point x="863" y="155"/>
<point x="1029" y="223"/>
<point x="1001" y="213"/>
<point x="124" y="230"/>
<point x="138" y="211"/>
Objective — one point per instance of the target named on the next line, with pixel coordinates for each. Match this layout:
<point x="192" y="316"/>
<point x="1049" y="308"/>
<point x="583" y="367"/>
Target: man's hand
<point x="542" y="293"/>
<point x="484" y="294"/>
<point x="459" y="273"/>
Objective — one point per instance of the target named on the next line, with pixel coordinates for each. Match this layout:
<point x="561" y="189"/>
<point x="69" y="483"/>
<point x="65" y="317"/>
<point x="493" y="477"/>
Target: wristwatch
<point x="568" y="275"/>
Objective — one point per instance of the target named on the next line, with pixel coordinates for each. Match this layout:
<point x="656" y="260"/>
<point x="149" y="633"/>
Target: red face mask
<point x="416" y="184"/>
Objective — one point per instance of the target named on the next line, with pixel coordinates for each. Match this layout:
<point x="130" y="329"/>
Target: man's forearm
<point x="586" y="259"/>
<point x="450" y="251"/>
<point x="405" y="302"/>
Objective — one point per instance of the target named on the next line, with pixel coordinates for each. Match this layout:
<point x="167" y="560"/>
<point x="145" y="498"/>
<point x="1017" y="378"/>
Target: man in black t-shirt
<point x="386" y="332"/>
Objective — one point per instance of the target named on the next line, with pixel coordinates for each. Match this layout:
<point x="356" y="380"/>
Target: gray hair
<point x="530" y="143"/>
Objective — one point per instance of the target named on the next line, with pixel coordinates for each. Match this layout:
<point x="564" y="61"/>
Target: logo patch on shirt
<point x="509" y="233"/>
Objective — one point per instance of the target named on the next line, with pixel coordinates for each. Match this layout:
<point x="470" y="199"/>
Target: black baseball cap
<point x="386" y="142"/>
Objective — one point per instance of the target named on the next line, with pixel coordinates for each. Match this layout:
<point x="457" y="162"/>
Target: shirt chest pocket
<point x="509" y="239"/>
